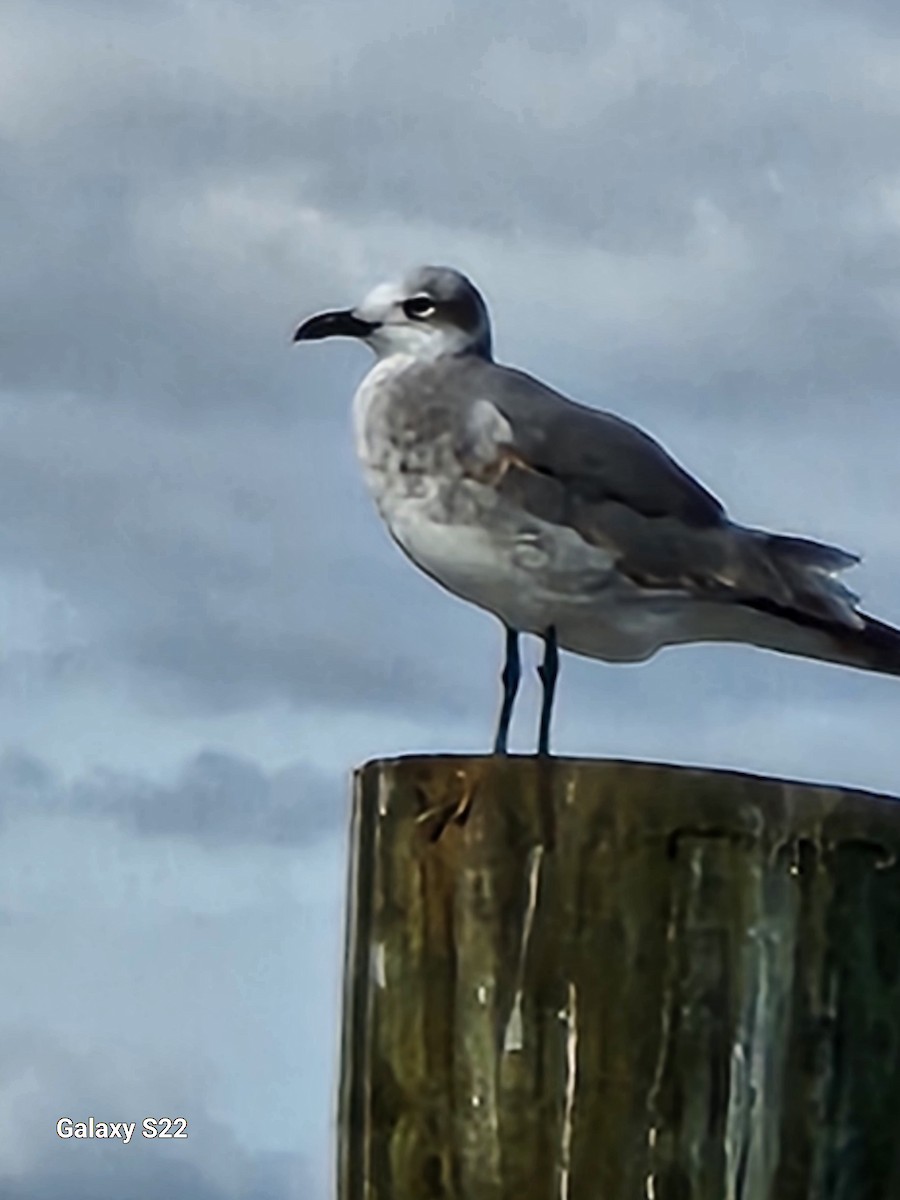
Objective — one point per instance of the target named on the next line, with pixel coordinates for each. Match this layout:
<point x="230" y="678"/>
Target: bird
<point x="562" y="520"/>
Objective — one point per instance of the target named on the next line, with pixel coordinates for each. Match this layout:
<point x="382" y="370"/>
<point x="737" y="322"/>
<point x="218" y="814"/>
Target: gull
<point x="564" y="521"/>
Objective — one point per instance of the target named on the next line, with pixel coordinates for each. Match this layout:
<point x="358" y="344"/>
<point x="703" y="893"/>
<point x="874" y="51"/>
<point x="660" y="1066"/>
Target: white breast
<point x="370" y="405"/>
<point x="478" y="547"/>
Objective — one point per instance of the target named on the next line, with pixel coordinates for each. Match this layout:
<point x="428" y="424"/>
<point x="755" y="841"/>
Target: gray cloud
<point x="621" y="132"/>
<point x="219" y="799"/>
<point x="221" y="582"/>
<point x="145" y="1177"/>
<point x="46" y="1080"/>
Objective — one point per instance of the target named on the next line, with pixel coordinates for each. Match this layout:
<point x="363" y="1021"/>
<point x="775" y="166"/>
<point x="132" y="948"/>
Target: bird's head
<point x="433" y="312"/>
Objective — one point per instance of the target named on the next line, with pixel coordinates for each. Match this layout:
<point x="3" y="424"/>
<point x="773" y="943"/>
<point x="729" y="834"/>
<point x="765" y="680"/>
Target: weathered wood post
<point x="619" y="982"/>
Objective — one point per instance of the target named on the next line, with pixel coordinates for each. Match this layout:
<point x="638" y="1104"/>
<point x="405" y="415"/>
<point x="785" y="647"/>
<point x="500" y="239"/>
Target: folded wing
<point x="593" y="472"/>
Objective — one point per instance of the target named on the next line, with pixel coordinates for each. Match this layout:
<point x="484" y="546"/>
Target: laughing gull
<point x="564" y="521"/>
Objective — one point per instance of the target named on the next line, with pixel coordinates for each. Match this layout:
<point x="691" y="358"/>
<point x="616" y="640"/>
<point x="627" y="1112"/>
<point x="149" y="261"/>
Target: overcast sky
<point x="688" y="218"/>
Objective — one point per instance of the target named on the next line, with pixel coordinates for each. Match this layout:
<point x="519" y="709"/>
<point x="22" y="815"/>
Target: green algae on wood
<point x="621" y="982"/>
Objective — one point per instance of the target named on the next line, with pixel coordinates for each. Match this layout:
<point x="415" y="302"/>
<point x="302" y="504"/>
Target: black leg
<point x="512" y="673"/>
<point x="548" y="671"/>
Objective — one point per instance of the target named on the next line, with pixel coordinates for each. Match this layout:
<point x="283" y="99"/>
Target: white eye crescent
<point x="419" y="308"/>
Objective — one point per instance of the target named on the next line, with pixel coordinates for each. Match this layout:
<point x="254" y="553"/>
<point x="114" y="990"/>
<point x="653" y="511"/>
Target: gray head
<point x="432" y="312"/>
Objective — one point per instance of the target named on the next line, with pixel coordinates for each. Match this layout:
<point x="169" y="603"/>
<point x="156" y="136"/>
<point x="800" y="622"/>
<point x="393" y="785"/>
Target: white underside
<point x="531" y="582"/>
<point x="532" y="574"/>
<point x="609" y="619"/>
<point x="528" y="573"/>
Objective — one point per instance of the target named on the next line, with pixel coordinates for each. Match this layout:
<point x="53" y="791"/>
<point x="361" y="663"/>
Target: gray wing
<point x="600" y="457"/>
<point x="619" y="489"/>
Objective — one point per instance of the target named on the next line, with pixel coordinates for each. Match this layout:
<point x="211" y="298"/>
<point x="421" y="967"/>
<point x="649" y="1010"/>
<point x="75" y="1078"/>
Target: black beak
<point x="333" y="324"/>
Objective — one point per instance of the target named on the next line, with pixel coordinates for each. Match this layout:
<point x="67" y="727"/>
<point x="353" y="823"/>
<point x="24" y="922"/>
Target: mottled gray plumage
<point x="562" y="519"/>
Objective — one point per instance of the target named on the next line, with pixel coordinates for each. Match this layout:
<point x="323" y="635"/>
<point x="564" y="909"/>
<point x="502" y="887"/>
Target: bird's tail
<point x="815" y="612"/>
<point x="808" y="573"/>
<point x="874" y="647"/>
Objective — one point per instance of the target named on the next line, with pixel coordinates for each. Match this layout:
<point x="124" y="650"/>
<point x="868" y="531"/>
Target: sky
<point x="687" y="214"/>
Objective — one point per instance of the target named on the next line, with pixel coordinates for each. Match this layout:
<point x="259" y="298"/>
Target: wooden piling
<point x="592" y="980"/>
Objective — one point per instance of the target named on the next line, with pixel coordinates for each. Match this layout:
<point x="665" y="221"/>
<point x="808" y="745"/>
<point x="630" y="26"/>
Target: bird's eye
<point x="418" y="308"/>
